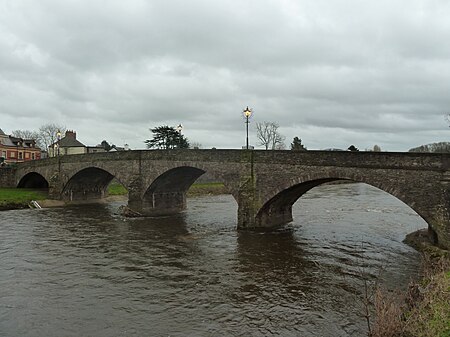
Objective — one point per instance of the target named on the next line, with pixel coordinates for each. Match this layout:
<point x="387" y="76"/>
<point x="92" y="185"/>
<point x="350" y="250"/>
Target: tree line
<point x="440" y="147"/>
<point x="168" y="137"/>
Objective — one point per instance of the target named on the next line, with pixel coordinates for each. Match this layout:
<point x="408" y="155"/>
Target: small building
<point x="95" y="149"/>
<point x="17" y="150"/>
<point x="67" y="145"/>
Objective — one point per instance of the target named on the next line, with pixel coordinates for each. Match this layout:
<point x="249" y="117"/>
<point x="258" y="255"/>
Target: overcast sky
<point x="333" y="73"/>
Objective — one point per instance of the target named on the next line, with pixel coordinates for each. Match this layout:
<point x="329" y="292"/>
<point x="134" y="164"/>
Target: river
<point x="86" y="271"/>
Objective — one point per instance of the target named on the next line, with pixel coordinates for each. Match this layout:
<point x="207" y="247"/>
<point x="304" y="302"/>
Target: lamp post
<point x="179" y="128"/>
<point x="247" y="114"/>
<point x="58" y="137"/>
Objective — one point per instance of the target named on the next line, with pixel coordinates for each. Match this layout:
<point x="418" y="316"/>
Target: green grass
<point x="20" y="195"/>
<point x="116" y="188"/>
<point x="206" y="189"/>
<point x="24" y="196"/>
<point x="430" y="314"/>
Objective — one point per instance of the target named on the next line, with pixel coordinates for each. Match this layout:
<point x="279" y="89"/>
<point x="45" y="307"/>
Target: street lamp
<point x="247" y="113"/>
<point x="58" y="137"/>
<point x="179" y="128"/>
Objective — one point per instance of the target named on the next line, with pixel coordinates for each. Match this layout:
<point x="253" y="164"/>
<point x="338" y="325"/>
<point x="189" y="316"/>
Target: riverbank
<point x="19" y="198"/>
<point x="423" y="310"/>
<point x="420" y="241"/>
<point x="14" y="198"/>
<point x="207" y="189"/>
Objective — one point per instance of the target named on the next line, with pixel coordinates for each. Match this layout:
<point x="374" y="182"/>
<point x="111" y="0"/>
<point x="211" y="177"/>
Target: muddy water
<point x="86" y="271"/>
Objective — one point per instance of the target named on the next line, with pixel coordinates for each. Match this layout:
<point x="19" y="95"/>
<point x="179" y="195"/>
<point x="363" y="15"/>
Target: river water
<point x="86" y="271"/>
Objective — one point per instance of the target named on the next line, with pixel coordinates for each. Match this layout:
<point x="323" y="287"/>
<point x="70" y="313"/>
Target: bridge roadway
<point x="265" y="184"/>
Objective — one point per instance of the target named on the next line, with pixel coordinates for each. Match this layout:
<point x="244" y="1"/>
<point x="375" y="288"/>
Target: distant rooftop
<point x="70" y="140"/>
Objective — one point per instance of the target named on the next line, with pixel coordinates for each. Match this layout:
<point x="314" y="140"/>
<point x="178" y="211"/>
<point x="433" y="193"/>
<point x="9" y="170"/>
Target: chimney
<point x="71" y="134"/>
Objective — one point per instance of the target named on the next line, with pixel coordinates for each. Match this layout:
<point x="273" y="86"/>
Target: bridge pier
<point x="274" y="216"/>
<point x="265" y="184"/>
<point x="156" y="204"/>
<point x="84" y="194"/>
<point x="251" y="216"/>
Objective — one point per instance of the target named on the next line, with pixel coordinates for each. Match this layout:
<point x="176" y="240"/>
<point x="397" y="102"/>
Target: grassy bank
<point x="116" y="188"/>
<point x="424" y="309"/>
<point x="11" y="198"/>
<point x="429" y="302"/>
<point x="196" y="189"/>
<point x="206" y="189"/>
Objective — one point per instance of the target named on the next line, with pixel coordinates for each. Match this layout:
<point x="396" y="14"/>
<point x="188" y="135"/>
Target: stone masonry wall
<point x="7" y="177"/>
<point x="256" y="177"/>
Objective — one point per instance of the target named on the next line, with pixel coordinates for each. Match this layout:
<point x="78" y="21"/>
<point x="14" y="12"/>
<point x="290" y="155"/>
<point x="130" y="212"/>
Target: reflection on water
<point x="86" y="271"/>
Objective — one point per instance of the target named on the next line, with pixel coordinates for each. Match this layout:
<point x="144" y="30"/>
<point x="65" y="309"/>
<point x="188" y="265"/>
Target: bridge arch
<point x="277" y="207"/>
<point x="87" y="183"/>
<point x="175" y="179"/>
<point x="167" y="191"/>
<point x="33" y="180"/>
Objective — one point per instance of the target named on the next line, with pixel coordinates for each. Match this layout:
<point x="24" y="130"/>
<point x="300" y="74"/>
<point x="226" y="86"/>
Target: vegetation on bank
<point x="206" y="189"/>
<point x="429" y="312"/>
<point x="423" y="310"/>
<point x="11" y="198"/>
<point x="115" y="188"/>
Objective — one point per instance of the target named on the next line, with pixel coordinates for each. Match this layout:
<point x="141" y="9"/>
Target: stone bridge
<point x="265" y="184"/>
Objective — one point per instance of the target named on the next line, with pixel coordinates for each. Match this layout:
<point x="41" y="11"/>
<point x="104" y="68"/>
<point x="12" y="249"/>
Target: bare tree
<point x="441" y="147"/>
<point x="280" y="146"/>
<point x="196" y="145"/>
<point x="25" y="134"/>
<point x="28" y="134"/>
<point x="47" y="134"/>
<point x="268" y="135"/>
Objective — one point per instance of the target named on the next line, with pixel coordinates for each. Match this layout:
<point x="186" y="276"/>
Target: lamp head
<point x="247" y="112"/>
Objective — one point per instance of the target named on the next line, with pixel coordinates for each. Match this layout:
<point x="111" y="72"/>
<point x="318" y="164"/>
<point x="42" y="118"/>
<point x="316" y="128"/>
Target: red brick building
<point x="17" y="150"/>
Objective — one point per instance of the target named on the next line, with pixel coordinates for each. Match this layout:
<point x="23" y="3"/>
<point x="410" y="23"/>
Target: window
<point x="20" y="155"/>
<point x="32" y="156"/>
<point x="13" y="154"/>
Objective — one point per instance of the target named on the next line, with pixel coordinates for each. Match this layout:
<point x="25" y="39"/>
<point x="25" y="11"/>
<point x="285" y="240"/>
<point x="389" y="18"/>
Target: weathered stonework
<point x="7" y="177"/>
<point x="265" y="184"/>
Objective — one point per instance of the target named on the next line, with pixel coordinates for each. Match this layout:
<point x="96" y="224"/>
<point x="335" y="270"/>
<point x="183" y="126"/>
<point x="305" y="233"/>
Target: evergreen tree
<point x="297" y="145"/>
<point x="167" y="137"/>
<point x="107" y="146"/>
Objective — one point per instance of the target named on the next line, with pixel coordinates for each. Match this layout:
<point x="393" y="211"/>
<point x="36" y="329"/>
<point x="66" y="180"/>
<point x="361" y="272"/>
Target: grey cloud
<point x="352" y="71"/>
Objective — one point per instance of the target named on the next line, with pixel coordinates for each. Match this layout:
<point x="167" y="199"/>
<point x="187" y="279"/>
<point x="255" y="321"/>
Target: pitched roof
<point x="8" y="142"/>
<point x="2" y="133"/>
<point x="69" y="142"/>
